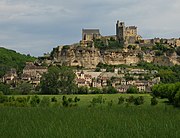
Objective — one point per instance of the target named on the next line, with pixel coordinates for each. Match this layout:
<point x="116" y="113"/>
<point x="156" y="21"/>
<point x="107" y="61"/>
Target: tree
<point x="177" y="99"/>
<point x="24" y="88"/>
<point x="95" y="90"/>
<point x="121" y="100"/>
<point x="83" y="90"/>
<point x="132" y="89"/>
<point x="154" y="101"/>
<point x="58" y="80"/>
<point x="110" y="90"/>
<point x="5" y="89"/>
<point x="139" y="100"/>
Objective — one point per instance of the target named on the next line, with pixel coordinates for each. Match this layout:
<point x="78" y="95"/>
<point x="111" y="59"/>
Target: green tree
<point x="154" y="101"/>
<point x="110" y="90"/>
<point x="11" y="59"/>
<point x="177" y="99"/>
<point x="83" y="90"/>
<point x="5" y="89"/>
<point x="132" y="89"/>
<point x="58" y="80"/>
<point x="139" y="100"/>
<point x="25" y="88"/>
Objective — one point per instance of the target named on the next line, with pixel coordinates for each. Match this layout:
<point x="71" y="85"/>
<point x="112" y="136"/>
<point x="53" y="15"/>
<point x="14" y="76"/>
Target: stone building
<point x="90" y="34"/>
<point x="126" y="34"/>
<point x="10" y="77"/>
<point x="32" y="70"/>
<point x="33" y="73"/>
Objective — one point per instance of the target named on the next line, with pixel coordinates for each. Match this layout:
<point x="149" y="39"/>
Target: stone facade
<point x="126" y="34"/>
<point x="90" y="34"/>
<point x="33" y="73"/>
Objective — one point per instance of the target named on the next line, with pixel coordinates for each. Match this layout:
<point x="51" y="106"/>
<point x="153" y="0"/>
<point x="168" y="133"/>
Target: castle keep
<point x="126" y="34"/>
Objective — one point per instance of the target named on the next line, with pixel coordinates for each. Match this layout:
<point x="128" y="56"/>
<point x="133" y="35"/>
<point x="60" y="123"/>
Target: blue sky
<point x="37" y="26"/>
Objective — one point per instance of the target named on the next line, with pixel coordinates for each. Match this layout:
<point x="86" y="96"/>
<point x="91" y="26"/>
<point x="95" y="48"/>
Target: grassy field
<point x="102" y="121"/>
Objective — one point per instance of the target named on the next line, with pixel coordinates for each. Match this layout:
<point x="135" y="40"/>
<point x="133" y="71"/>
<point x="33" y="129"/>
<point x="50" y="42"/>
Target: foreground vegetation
<point x="109" y="118"/>
<point x="89" y="122"/>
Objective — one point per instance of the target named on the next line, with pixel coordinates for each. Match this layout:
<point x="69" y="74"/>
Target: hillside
<point x="11" y="59"/>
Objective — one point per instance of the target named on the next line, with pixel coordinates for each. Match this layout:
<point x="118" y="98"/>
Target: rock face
<point x="90" y="57"/>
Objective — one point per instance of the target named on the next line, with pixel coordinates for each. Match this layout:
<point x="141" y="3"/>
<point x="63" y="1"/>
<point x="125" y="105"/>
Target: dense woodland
<point x="11" y="59"/>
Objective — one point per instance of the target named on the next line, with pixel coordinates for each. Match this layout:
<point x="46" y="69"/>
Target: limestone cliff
<point x="89" y="57"/>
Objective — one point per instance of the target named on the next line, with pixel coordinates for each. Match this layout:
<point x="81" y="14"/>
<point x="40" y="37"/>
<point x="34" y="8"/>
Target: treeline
<point x="11" y="59"/>
<point x="169" y="91"/>
<point x="168" y="74"/>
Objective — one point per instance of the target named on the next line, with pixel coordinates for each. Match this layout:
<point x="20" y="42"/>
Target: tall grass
<point x="98" y="122"/>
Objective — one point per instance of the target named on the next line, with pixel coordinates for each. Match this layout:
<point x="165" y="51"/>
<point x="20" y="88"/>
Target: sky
<point x="36" y="27"/>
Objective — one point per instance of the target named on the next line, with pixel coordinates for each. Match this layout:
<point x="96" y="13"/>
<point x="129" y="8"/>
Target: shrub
<point x="35" y="100"/>
<point x="110" y="103"/>
<point x="11" y="99"/>
<point x="95" y="91"/>
<point x="110" y="90"/>
<point x="54" y="99"/>
<point x="177" y="99"/>
<point x="132" y="89"/>
<point x="1" y="93"/>
<point x="121" y="100"/>
<point x="21" y="102"/>
<point x="64" y="98"/>
<point x="130" y="99"/>
<point x="139" y="100"/>
<point x="76" y="99"/>
<point x="154" y="101"/>
<point x="65" y="102"/>
<point x="45" y="102"/>
<point x="3" y="98"/>
<point x="70" y="100"/>
<point x="98" y="100"/>
<point x="28" y="98"/>
<point x="83" y="90"/>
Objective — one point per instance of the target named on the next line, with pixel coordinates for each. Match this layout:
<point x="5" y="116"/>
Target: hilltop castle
<point x="125" y="47"/>
<point x="124" y="34"/>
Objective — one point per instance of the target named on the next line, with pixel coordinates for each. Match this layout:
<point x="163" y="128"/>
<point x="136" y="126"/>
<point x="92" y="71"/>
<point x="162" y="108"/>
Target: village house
<point x="83" y="79"/>
<point x="10" y="77"/>
<point x="122" y="88"/>
<point x="33" y="70"/>
<point x="33" y="73"/>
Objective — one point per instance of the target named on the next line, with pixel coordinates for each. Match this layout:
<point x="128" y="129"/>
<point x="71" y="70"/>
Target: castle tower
<point x="120" y="31"/>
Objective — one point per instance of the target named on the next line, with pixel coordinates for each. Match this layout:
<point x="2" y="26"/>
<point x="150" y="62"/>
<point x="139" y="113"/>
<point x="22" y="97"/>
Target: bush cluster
<point x="169" y="91"/>
<point x="97" y="100"/>
<point x="69" y="102"/>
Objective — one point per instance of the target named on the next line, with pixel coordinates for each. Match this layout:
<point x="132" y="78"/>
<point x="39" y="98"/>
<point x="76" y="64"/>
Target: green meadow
<point x="84" y="121"/>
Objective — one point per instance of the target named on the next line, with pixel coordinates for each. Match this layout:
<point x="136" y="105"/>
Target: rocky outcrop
<point x="90" y="57"/>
